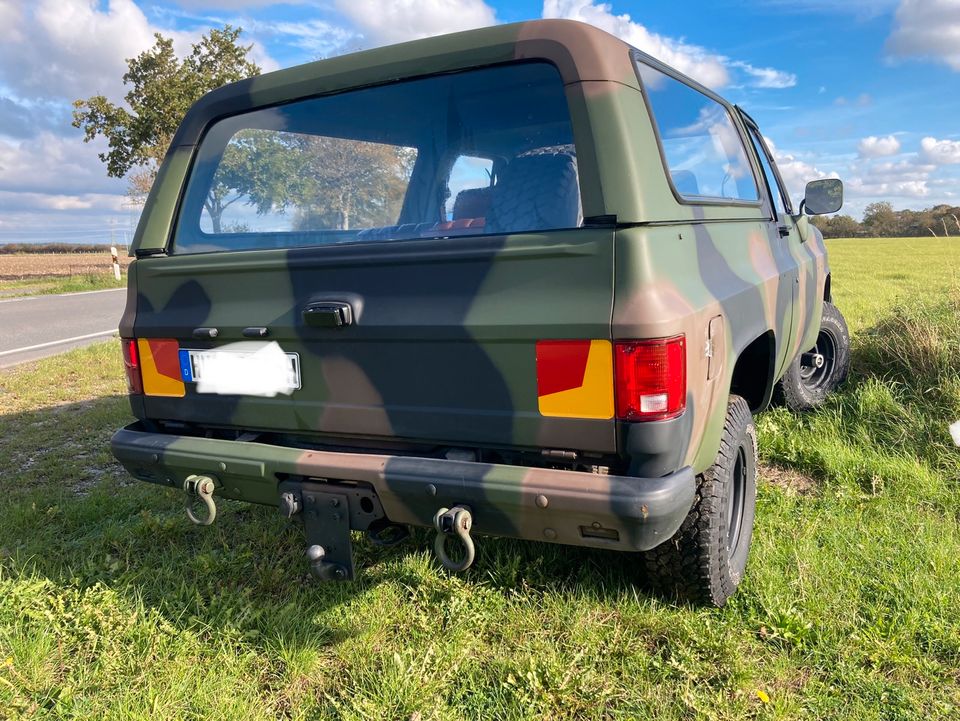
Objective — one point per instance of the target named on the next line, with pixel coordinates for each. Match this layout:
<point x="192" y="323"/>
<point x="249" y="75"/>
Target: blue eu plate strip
<point x="185" y="370"/>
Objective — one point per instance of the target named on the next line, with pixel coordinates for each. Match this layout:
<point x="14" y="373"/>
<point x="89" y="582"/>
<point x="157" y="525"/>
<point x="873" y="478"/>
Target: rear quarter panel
<point x="675" y="279"/>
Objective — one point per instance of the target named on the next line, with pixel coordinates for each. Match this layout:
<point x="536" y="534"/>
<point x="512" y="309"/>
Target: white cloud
<point x="861" y="101"/>
<point x="232" y="4"/>
<point x="866" y="188"/>
<point x="875" y="147"/>
<point x="68" y="49"/>
<point x="383" y="23"/>
<point x="71" y="49"/>
<point x="767" y="77"/>
<point x="51" y="163"/>
<point x="909" y="170"/>
<point x="317" y="37"/>
<point x="940" y="152"/>
<point x="795" y="171"/>
<point x="712" y="69"/>
<point x="927" y="29"/>
<point x="60" y="202"/>
<point x="693" y="60"/>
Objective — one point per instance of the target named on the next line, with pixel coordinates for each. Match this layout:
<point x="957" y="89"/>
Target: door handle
<point x="328" y="314"/>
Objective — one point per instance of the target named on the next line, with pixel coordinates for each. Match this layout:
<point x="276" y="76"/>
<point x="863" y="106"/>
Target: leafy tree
<point x="348" y="183"/>
<point x="163" y="88"/>
<point x="880" y="220"/>
<point x="837" y="226"/>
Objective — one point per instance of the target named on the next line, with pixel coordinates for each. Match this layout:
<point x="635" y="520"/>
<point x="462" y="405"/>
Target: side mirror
<point x="822" y="196"/>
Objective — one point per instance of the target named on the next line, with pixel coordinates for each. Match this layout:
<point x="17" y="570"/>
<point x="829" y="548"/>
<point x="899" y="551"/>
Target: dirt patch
<point x="23" y="266"/>
<point x="788" y="479"/>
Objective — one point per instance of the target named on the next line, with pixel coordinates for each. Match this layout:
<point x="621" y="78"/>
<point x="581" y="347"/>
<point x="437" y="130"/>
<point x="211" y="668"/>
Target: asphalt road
<point x="43" y="325"/>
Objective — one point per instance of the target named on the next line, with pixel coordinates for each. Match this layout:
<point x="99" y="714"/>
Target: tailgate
<point x="442" y="347"/>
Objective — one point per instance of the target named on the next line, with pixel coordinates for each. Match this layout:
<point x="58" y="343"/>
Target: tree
<point x="349" y="183"/>
<point x="880" y="220"/>
<point x="163" y="89"/>
<point x="836" y="226"/>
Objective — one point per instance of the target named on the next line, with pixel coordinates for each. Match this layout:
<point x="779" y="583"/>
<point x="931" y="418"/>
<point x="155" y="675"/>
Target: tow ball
<point x="454" y="522"/>
<point x="202" y="488"/>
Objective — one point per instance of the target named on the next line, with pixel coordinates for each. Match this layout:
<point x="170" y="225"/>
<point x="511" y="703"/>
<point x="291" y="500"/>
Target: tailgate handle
<point x="328" y="314"/>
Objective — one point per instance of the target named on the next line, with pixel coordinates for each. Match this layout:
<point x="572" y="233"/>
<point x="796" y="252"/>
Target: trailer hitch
<point x="456" y="521"/>
<point x="202" y="488"/>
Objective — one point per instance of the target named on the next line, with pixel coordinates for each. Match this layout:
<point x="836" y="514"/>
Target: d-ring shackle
<point x="456" y="521"/>
<point x="201" y="487"/>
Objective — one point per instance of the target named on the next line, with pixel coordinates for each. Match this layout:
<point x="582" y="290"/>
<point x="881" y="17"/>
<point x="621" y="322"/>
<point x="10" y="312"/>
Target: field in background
<point x="870" y="276"/>
<point x="42" y="273"/>
<point x="113" y="606"/>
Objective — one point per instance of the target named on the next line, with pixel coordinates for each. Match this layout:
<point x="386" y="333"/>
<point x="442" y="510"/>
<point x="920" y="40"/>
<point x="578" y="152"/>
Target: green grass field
<point x="112" y="606"/>
<point x="50" y="286"/>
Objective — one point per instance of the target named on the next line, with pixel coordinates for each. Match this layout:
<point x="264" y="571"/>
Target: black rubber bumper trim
<point x="543" y="504"/>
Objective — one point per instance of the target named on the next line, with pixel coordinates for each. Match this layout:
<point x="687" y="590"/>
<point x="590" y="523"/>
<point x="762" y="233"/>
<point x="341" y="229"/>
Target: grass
<point x="113" y="606"/>
<point x="872" y="276"/>
<point x="52" y="285"/>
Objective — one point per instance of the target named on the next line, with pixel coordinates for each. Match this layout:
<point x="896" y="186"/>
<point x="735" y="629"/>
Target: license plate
<point x="244" y="372"/>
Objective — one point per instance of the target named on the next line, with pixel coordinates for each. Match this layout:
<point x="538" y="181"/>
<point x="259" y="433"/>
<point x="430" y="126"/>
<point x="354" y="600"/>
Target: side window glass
<point x="469" y="186"/>
<point x="776" y="192"/>
<point x="704" y="153"/>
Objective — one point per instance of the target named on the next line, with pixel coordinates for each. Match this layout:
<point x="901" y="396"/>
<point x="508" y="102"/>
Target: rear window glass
<point x="704" y="153"/>
<point x="481" y="151"/>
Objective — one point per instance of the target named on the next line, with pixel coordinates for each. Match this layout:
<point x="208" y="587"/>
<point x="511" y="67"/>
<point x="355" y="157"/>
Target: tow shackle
<point x="457" y="522"/>
<point x="201" y="487"/>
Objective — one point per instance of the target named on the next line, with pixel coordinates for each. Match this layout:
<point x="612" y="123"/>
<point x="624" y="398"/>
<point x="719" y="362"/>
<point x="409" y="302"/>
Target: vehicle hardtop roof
<point x="581" y="52"/>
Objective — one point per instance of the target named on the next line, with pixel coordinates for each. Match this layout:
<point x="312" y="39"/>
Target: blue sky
<point x="866" y="90"/>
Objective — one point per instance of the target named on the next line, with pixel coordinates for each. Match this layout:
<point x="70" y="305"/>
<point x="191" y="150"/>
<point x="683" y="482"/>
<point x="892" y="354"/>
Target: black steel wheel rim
<point x="813" y="377"/>
<point x="738" y="492"/>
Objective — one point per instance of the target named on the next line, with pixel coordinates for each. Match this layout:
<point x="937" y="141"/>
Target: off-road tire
<point x="522" y="200"/>
<point x="706" y="558"/>
<point x="804" y="388"/>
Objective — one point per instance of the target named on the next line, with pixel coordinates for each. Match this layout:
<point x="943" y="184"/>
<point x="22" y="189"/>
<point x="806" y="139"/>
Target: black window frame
<point x="756" y="138"/>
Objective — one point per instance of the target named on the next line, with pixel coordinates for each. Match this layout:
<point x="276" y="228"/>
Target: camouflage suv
<point x="521" y="281"/>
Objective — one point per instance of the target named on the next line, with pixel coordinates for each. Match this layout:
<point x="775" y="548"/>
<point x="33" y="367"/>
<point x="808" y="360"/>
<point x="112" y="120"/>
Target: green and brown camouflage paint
<point x="458" y="371"/>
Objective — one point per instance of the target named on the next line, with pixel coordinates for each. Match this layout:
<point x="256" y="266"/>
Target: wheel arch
<point x="753" y="373"/>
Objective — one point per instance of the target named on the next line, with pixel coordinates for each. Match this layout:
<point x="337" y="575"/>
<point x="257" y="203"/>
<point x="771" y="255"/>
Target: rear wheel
<point x="706" y="558"/>
<point x="813" y="375"/>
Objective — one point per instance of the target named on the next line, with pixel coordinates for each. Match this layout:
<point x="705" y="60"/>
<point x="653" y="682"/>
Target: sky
<point x="864" y="90"/>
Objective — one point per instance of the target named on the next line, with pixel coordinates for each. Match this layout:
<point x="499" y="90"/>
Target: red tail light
<point x="651" y="378"/>
<point x="131" y="364"/>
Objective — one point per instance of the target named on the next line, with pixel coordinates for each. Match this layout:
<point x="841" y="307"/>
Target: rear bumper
<point x="569" y="507"/>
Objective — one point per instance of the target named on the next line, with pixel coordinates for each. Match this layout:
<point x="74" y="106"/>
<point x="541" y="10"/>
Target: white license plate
<point x="243" y="372"/>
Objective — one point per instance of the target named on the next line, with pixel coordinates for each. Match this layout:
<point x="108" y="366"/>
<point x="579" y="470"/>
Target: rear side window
<point x="481" y="151"/>
<point x="702" y="149"/>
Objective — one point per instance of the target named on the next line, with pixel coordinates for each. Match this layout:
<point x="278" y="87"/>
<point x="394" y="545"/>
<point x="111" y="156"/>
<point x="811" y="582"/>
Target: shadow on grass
<point x="888" y="426"/>
<point x="72" y="515"/>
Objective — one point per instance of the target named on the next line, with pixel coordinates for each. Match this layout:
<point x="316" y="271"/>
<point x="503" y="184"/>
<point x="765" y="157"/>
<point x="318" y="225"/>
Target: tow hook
<point x="456" y="521"/>
<point x="201" y="487"/>
<point x="322" y="567"/>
